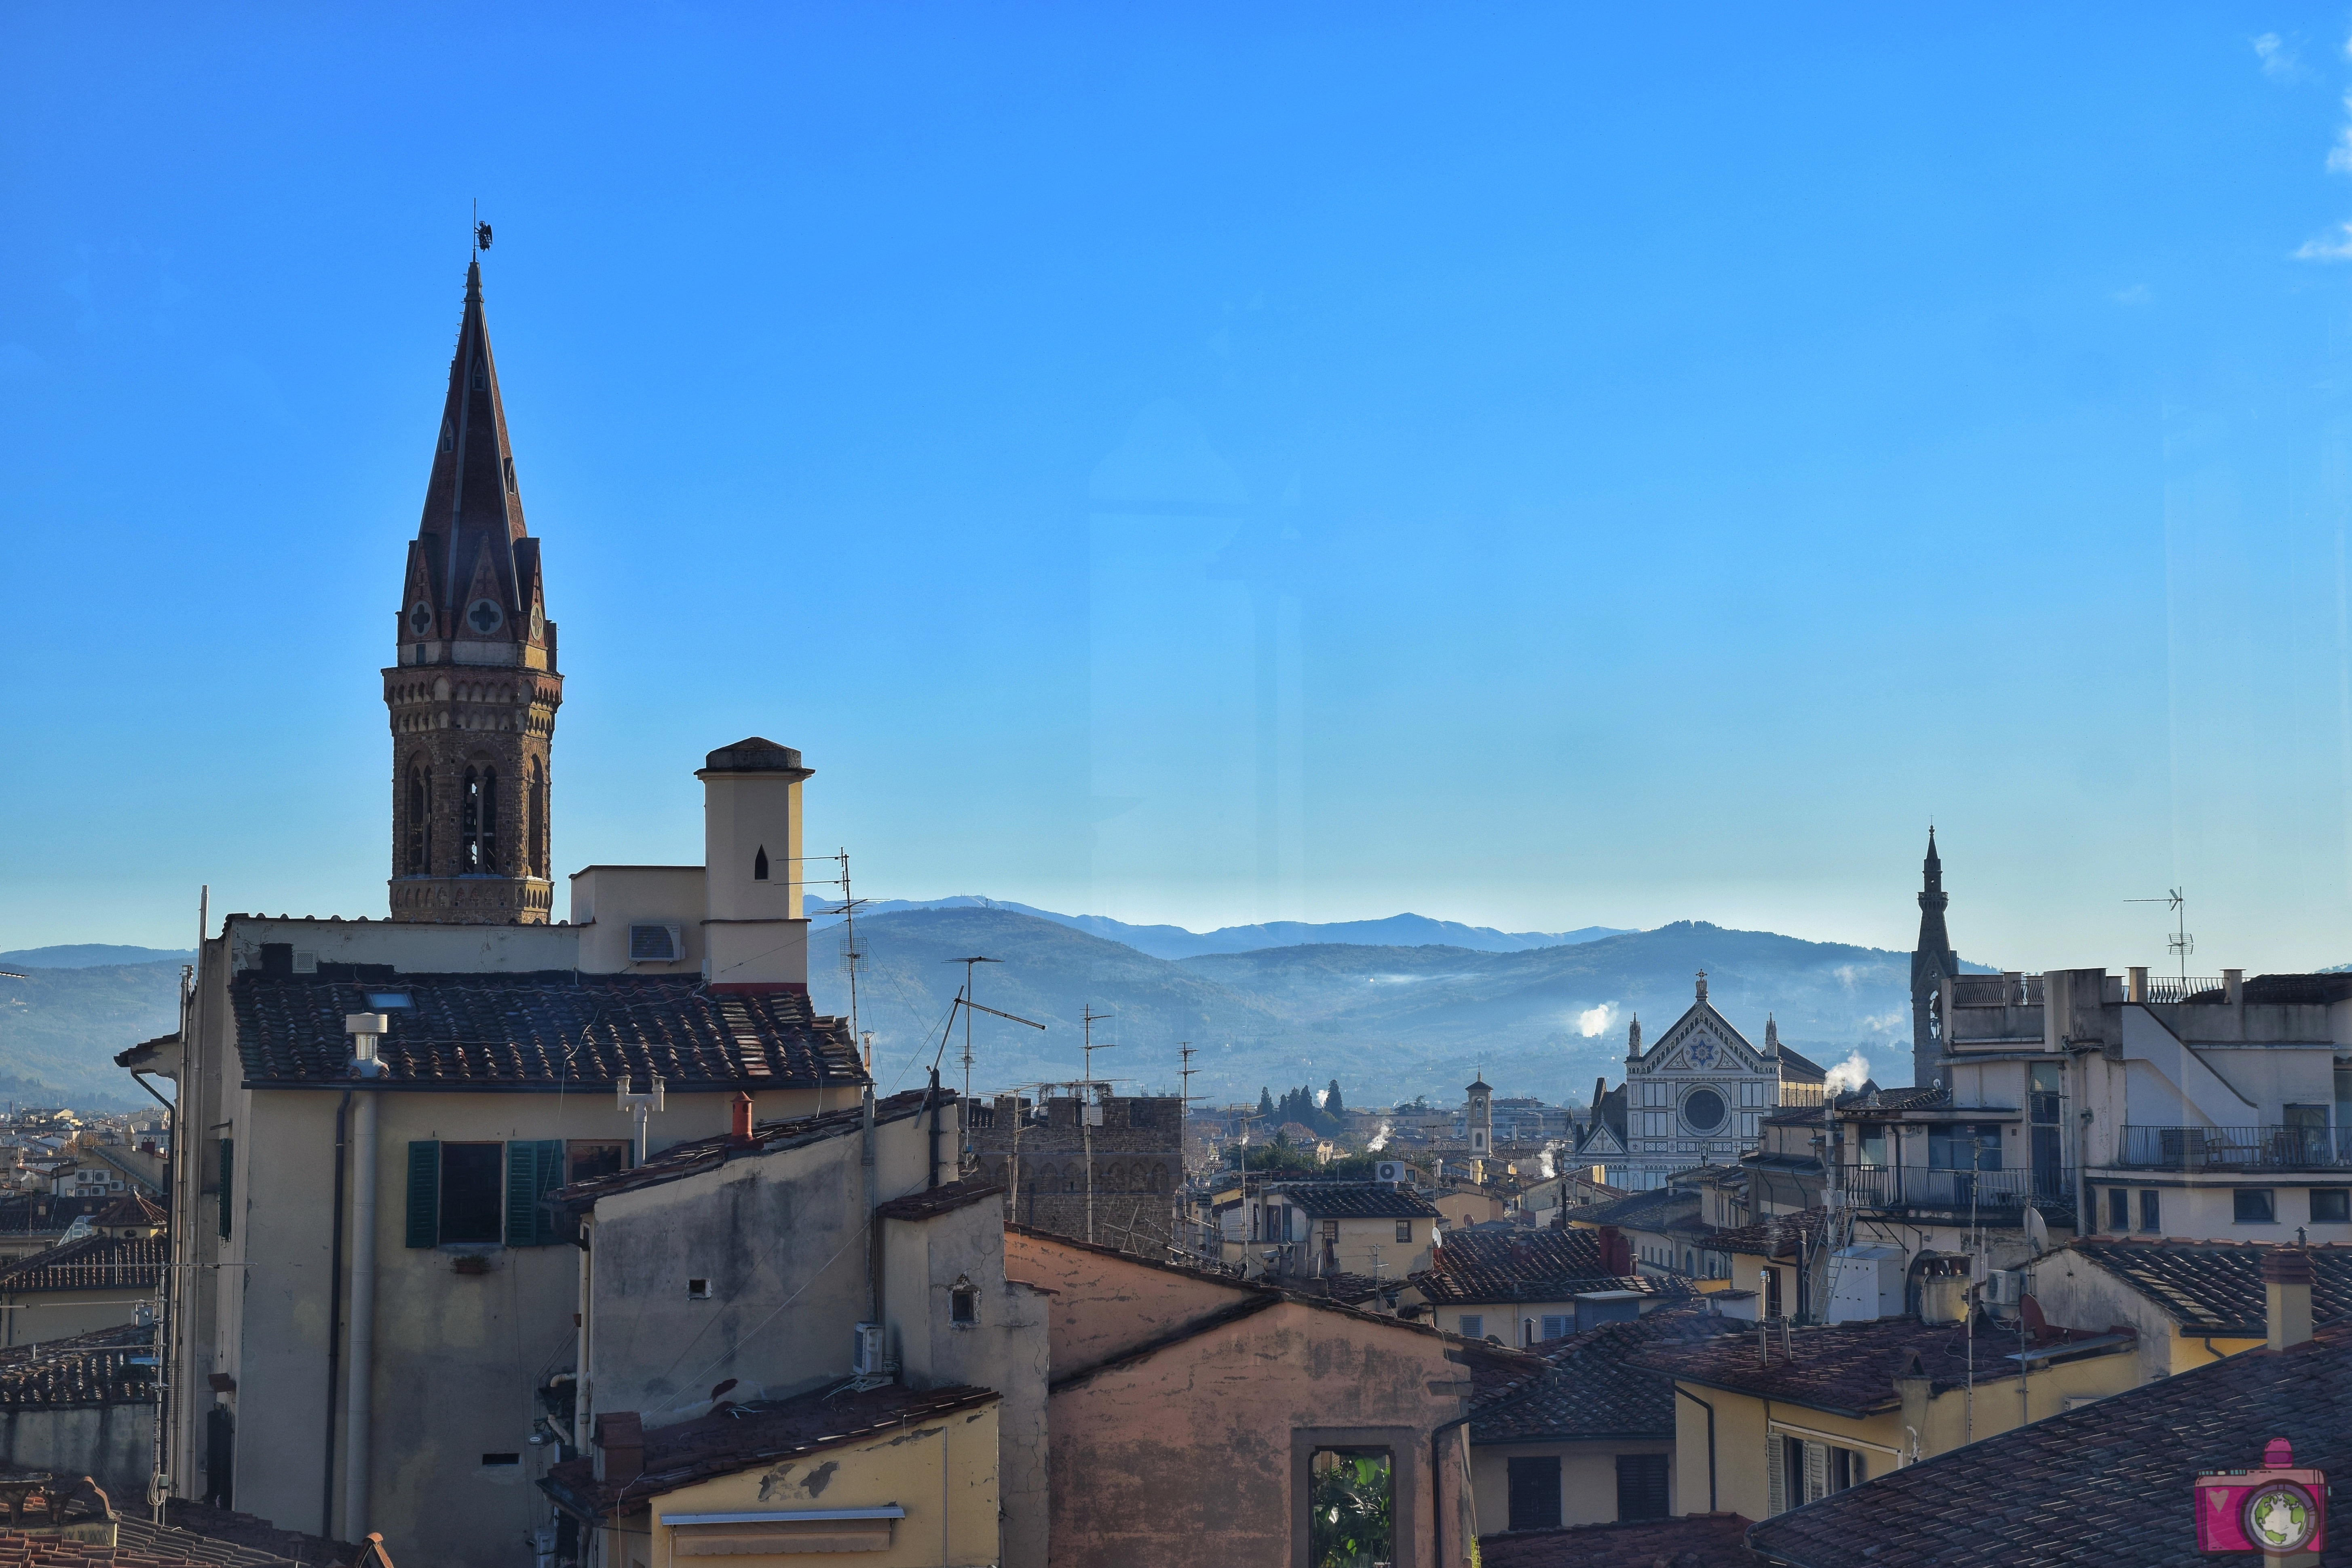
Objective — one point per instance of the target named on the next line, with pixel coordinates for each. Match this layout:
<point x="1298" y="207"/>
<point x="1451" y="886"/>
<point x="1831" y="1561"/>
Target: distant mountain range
<point x="1538" y="1014"/>
<point x="1175" y="941"/>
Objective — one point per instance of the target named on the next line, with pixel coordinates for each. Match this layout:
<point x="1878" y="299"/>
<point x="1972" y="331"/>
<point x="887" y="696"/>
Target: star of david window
<point x="484" y="617"/>
<point x="1703" y="1052"/>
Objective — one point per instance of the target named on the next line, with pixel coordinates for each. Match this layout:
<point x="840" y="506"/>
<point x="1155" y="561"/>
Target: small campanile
<point x="473" y="688"/>
<point x="754" y="938"/>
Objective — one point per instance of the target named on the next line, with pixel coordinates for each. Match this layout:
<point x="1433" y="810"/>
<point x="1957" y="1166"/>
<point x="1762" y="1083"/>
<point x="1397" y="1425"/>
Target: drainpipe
<point x="1437" y="1489"/>
<point x="1703" y="1405"/>
<point x="365" y="1028"/>
<point x="334" y="1318"/>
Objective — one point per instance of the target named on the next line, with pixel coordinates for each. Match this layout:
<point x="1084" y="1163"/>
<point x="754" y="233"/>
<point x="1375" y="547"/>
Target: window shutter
<point x="1817" y="1479"/>
<point x="228" y="1171"/>
<point x="522" y="1194"/>
<point x="1776" y="1474"/>
<point x="424" y="1192"/>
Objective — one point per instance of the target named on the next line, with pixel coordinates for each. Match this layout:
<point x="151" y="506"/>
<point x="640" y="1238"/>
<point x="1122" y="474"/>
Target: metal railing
<point x="1988" y="1193"/>
<point x="2174" y="989"/>
<point x="2197" y="1149"/>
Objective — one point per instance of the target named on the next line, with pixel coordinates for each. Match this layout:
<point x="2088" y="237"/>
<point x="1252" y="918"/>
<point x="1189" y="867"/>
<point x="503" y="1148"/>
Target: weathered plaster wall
<point x="1187" y="1455"/>
<point x="1103" y="1306"/>
<point x="114" y="1444"/>
<point x="941" y="1471"/>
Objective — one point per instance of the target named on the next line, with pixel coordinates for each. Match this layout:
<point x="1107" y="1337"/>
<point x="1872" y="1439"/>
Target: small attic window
<point x="698" y="1290"/>
<point x="963" y="1305"/>
<point x="306" y="963"/>
<point x="510" y="467"/>
<point x="760" y="865"/>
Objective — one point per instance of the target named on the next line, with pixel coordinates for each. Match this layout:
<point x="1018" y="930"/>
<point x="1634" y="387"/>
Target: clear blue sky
<point x="1536" y="466"/>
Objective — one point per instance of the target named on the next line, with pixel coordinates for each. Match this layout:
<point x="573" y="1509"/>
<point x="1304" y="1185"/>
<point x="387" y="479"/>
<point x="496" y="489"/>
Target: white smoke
<point x="1593" y="1020"/>
<point x="1380" y="1139"/>
<point x="1544" y="1159"/>
<point x="1849" y="1074"/>
<point x="1320" y="1096"/>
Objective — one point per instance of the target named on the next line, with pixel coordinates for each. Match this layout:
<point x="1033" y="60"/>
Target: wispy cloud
<point x="2138" y="294"/>
<point x="2278" y="57"/>
<point x="1593" y="1020"/>
<point x="2336" y="248"/>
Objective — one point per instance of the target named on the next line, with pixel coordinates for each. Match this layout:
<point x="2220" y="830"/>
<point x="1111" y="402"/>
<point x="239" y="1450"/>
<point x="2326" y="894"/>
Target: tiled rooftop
<point x="932" y="1202"/>
<point x="538" y="1030"/>
<point x="1641" y="1211"/>
<point x="682" y="1160"/>
<point x="1356" y="1200"/>
<point x="87" y="1370"/>
<point x="93" y="1263"/>
<point x="2110" y="1483"/>
<point x="1848" y="1369"/>
<point x="1517" y="1264"/>
<point x="1776" y="1235"/>
<point x="735" y="1438"/>
<point x="1696" y="1540"/>
<point x="2214" y="1286"/>
<point x="1591" y="1392"/>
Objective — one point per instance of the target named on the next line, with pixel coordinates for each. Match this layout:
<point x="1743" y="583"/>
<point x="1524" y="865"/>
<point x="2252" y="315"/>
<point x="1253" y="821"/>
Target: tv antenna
<point x="969" y="967"/>
<point x="1090" y="1018"/>
<point x="854" y="954"/>
<point x="2180" y="943"/>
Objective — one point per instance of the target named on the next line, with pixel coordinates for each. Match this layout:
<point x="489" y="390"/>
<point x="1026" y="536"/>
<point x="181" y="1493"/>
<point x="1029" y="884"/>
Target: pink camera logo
<point x="2276" y="1510"/>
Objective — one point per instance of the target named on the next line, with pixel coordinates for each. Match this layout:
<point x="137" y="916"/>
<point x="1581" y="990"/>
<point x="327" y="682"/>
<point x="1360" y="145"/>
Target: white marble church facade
<point x="1696" y="1096"/>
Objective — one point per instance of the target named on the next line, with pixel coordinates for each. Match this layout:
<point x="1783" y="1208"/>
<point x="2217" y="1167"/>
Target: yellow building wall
<point x="1370" y="1246"/>
<point x="1743" y="1484"/>
<point x="942" y="1472"/>
<point x="1588" y="1479"/>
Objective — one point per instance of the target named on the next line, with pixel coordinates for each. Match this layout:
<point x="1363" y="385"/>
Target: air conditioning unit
<point x="657" y="944"/>
<point x="865" y="1349"/>
<point x="2004" y="1287"/>
<point x="1390" y="1170"/>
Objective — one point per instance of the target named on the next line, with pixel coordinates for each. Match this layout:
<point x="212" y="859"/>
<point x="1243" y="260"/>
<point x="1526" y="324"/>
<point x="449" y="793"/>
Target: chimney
<point x="1916" y="1389"/>
<point x="2286" y="1296"/>
<point x="755" y="937"/>
<point x="739" y="1130"/>
<point x="2233" y="986"/>
<point x="620" y="1447"/>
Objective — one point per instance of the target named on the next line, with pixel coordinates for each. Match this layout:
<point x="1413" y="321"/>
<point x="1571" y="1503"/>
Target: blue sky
<point x="1539" y="467"/>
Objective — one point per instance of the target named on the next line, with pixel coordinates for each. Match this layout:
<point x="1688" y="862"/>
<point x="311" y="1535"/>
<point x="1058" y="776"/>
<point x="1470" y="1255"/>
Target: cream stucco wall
<point x="1588" y="1479"/>
<point x="942" y="1470"/>
<point x="35" y="1317"/>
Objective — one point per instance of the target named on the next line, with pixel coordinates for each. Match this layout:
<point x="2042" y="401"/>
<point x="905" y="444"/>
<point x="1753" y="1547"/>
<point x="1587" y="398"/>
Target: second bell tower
<point x="474" y="688"/>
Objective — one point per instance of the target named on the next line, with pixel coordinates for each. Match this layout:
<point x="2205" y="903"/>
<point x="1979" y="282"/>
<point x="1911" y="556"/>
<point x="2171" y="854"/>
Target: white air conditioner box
<point x="1390" y="1170"/>
<point x="1865" y="1282"/>
<point x="657" y="944"/>
<point x="2004" y="1287"/>
<point x="865" y="1349"/>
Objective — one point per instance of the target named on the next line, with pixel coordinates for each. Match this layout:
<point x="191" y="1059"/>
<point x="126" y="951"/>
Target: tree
<point x="1264" y="1102"/>
<point x="1333" y="1106"/>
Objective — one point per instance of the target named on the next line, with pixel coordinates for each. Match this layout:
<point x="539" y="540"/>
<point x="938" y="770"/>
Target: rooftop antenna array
<point x="2180" y="944"/>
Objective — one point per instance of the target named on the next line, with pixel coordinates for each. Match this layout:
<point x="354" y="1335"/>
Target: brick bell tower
<point x="474" y="689"/>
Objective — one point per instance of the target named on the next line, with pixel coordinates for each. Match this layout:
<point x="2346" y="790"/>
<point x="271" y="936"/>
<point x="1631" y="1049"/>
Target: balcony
<point x="1995" y="1196"/>
<point x="2198" y="1151"/>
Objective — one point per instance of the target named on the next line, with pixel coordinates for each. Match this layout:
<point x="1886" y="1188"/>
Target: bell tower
<point x="473" y="688"/>
<point x="1931" y="962"/>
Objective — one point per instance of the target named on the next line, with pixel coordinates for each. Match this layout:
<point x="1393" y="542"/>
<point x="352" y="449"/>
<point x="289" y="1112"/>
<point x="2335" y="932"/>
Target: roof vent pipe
<point x="365" y="1030"/>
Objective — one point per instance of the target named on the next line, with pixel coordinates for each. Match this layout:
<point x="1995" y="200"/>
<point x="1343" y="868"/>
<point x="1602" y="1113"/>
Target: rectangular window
<point x="2331" y="1206"/>
<point x="1555" y="1326"/>
<point x="1873" y="1146"/>
<point x="1350" y="1506"/>
<point x="1847" y="1468"/>
<point x="1535" y="1492"/>
<point x="1474" y="1326"/>
<point x="1404" y="1230"/>
<point x="473" y="1178"/>
<point x="2119" y="1209"/>
<point x="228" y="1174"/>
<point x="587" y="1157"/>
<point x="2151" y="1215"/>
<point x="1641" y="1486"/>
<point x="2253" y="1205"/>
<point x="1964" y="1146"/>
<point x="1771" y="1292"/>
<point x="2048" y="1083"/>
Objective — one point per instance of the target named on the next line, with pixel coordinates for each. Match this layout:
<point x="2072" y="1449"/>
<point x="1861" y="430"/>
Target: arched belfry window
<point x="420" y="819"/>
<point x="760" y="865"/>
<point x="477" y="823"/>
<point x="534" y="831"/>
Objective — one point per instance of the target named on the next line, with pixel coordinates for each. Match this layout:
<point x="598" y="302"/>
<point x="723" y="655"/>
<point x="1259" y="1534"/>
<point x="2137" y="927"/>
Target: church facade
<point x="1696" y="1096"/>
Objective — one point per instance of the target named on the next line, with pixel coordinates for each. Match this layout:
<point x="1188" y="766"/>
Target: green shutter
<point x="532" y="1168"/>
<point x="227" y="1170"/>
<point x="553" y="1228"/>
<point x="424" y="1192"/>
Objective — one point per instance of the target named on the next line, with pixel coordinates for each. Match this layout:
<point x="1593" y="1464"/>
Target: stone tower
<point x="1931" y="962"/>
<point x="1480" y="1122"/>
<point x="473" y="688"/>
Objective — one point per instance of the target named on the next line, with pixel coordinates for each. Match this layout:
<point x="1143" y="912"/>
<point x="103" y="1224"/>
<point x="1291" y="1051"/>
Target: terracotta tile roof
<point x="682" y="1160"/>
<point x="1588" y="1390"/>
<point x="1847" y="1369"/>
<point x="1694" y="1541"/>
<point x="261" y="1540"/>
<point x="736" y="1437"/>
<point x="93" y="1263"/>
<point x="87" y="1370"/>
<point x="1354" y="1200"/>
<point x="2110" y="1483"/>
<point x="2215" y="1286"/>
<point x="540" y="1030"/>
<point x="138" y="1544"/>
<point x="932" y="1202"/>
<point x="132" y="1208"/>
<point x="1517" y="1264"/>
<point x="1776" y="1235"/>
<point x="1643" y="1211"/>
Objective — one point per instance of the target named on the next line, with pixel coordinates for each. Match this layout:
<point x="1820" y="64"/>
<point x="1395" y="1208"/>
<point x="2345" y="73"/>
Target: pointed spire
<point x="473" y="508"/>
<point x="1772" y="1036"/>
<point x="1633" y="1038"/>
